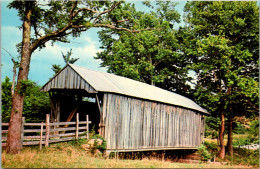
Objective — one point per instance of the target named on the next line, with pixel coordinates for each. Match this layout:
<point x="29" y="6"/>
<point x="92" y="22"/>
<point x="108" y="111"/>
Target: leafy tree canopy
<point x="36" y="103"/>
<point x="225" y="51"/>
<point x="151" y="56"/>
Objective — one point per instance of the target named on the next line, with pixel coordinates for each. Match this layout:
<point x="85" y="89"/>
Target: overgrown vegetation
<point x="72" y="155"/>
<point x="248" y="131"/>
<point x="93" y="135"/>
<point x="241" y="156"/>
<point x="204" y="154"/>
<point x="36" y="103"/>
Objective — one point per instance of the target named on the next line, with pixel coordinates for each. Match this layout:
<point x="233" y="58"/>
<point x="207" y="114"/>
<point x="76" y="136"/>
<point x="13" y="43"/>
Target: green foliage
<point x="151" y="56"/>
<point x="36" y="103"/>
<point x="57" y="20"/>
<point x="67" y="59"/>
<point x="101" y="147"/>
<point x="6" y="99"/>
<point x="223" y="44"/>
<point x="245" y="157"/>
<point x="241" y="155"/>
<point x="77" y="143"/>
<point x="211" y="146"/>
<point x="212" y="127"/>
<point x="56" y="68"/>
<point x="242" y="142"/>
<point x="93" y="135"/>
<point x="204" y="154"/>
<point x="25" y="84"/>
<point x="239" y="128"/>
<point x="225" y="63"/>
<point x="254" y="129"/>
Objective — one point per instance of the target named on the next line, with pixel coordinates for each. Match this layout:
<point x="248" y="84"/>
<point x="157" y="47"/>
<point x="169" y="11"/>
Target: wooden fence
<point x="45" y="133"/>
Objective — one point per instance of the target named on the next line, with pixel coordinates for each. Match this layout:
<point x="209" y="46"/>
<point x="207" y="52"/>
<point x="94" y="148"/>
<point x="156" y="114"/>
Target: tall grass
<point x="68" y="155"/>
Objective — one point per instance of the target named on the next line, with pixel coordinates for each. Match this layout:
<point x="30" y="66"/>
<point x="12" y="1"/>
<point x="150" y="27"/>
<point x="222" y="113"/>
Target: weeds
<point x="204" y="153"/>
<point x="69" y="156"/>
<point x="241" y="156"/>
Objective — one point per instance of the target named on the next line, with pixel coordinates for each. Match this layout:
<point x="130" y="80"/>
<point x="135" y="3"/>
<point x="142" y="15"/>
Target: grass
<point x="235" y="138"/>
<point x="71" y="155"/>
<point x="240" y="156"/>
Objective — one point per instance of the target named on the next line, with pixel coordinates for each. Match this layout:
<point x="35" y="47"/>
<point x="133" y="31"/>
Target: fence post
<point x="77" y="126"/>
<point x="47" y="130"/>
<point x="41" y="136"/>
<point x="22" y="131"/>
<point x="87" y="126"/>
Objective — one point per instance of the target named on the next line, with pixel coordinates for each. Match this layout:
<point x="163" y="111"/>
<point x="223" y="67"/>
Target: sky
<point x="84" y="47"/>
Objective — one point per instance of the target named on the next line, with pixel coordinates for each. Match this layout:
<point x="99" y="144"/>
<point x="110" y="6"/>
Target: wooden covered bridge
<point x="130" y="115"/>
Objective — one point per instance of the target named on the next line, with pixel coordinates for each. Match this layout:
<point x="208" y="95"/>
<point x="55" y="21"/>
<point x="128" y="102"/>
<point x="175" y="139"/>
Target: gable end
<point x="68" y="78"/>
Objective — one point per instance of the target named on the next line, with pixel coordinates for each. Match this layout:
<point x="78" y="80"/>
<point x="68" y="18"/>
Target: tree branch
<point x="45" y="38"/>
<point x="111" y="9"/>
<point x="123" y="20"/>
<point x="93" y="11"/>
<point x="74" y="5"/>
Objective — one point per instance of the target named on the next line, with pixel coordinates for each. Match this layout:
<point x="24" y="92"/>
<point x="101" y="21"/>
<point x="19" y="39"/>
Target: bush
<point x="245" y="157"/>
<point x="101" y="147"/>
<point x="242" y="142"/>
<point x="254" y="131"/>
<point x="204" y="154"/>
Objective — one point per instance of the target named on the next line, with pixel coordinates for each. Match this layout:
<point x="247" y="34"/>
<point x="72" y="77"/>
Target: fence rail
<point x="45" y="133"/>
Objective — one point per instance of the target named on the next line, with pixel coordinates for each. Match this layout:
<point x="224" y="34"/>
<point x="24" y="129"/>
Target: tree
<point x="55" y="21"/>
<point x="15" y="66"/>
<point x="67" y="59"/>
<point x="36" y="103"/>
<point x="6" y="99"/>
<point x="225" y="55"/>
<point x="150" y="56"/>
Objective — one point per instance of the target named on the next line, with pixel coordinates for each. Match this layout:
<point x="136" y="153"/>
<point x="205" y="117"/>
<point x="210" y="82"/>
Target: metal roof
<point x="107" y="82"/>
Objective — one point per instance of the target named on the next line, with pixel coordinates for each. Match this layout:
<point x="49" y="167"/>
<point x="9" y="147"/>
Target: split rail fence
<point x="45" y="133"/>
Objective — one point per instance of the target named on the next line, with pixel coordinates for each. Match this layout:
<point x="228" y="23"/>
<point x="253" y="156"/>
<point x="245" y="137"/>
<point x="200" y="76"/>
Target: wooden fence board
<point x="37" y="139"/>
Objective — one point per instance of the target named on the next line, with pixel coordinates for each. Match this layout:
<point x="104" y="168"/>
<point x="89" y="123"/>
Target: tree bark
<point x="230" y="136"/>
<point x="14" y="130"/>
<point x="221" y="137"/>
<point x="14" y="76"/>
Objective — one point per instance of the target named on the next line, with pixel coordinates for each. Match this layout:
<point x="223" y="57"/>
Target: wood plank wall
<point x="138" y="124"/>
<point x="68" y="79"/>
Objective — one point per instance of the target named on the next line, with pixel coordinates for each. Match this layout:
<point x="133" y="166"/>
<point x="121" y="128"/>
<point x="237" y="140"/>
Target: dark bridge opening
<point x="66" y="103"/>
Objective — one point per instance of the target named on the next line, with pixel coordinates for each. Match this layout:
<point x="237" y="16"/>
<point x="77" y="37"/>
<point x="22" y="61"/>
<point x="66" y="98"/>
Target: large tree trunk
<point x="14" y="130"/>
<point x="221" y="137"/>
<point x="230" y="137"/>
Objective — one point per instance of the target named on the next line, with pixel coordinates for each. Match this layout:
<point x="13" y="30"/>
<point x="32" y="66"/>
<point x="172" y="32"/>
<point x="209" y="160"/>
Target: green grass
<point x="240" y="156"/>
<point x="71" y="155"/>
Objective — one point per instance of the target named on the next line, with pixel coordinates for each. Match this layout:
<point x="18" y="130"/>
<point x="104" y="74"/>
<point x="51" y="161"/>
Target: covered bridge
<point x="130" y="115"/>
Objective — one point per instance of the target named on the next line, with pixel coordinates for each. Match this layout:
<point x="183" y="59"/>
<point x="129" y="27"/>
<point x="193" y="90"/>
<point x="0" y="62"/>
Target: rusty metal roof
<point x="107" y="82"/>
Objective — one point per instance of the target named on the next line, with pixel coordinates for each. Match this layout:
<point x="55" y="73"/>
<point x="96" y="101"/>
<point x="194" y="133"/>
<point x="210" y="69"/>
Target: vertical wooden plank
<point x="184" y="128"/>
<point x="87" y="126"/>
<point x="77" y="126"/>
<point x="41" y="135"/>
<point x="47" y="128"/>
<point x="22" y="130"/>
<point x="203" y="128"/>
<point x="108" y="121"/>
<point x="178" y="126"/>
<point x="104" y="114"/>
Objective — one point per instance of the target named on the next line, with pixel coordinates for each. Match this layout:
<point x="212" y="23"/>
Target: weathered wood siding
<point x="68" y="79"/>
<point x="132" y="124"/>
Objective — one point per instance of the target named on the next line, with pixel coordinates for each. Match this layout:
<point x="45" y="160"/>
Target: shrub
<point x="242" y="141"/>
<point x="101" y="147"/>
<point x="204" y="154"/>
